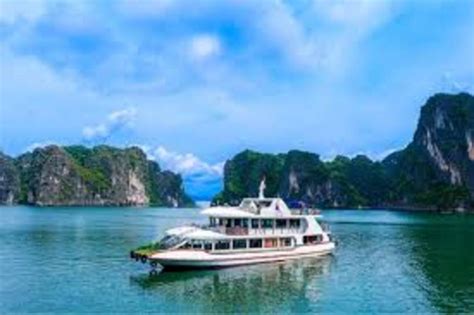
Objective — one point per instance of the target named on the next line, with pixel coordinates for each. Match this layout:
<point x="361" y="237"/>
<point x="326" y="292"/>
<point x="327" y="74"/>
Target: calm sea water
<point x="76" y="260"/>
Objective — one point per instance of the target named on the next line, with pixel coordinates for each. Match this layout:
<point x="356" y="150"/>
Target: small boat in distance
<point x="259" y="230"/>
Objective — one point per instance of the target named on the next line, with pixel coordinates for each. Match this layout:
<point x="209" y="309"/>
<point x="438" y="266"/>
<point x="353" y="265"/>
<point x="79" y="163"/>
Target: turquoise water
<point x="76" y="260"/>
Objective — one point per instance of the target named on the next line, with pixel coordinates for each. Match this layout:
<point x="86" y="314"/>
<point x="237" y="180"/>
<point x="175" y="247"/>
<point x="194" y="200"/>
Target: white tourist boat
<point x="259" y="230"/>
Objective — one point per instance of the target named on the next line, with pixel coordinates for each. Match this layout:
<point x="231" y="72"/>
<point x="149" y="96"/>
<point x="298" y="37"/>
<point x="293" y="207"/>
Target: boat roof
<point x="202" y="234"/>
<point x="256" y="208"/>
<point x="228" y="212"/>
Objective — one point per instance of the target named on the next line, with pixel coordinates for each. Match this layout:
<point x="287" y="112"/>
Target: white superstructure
<point x="258" y="230"/>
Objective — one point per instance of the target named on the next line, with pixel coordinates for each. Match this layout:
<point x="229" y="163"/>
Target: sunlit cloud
<point x="184" y="163"/>
<point x="114" y="122"/>
<point x="202" y="179"/>
<point x="204" y="46"/>
<point x="37" y="145"/>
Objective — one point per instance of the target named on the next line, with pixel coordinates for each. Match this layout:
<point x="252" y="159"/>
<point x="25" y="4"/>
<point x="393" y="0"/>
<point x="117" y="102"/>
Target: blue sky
<point x="194" y="82"/>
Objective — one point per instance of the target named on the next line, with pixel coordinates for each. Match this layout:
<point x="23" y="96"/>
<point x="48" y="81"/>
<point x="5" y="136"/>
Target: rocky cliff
<point x="435" y="171"/>
<point x="9" y="180"/>
<point x="76" y="175"/>
<point x="300" y="175"/>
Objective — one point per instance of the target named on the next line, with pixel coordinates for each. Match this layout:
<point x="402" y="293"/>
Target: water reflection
<point x="76" y="260"/>
<point x="272" y="287"/>
<point x="439" y="253"/>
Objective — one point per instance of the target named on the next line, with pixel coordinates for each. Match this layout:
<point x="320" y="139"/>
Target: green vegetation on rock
<point x="435" y="171"/>
<point x="102" y="175"/>
<point x="243" y="175"/>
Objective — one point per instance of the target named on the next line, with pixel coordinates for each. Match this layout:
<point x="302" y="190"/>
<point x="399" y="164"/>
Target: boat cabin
<point x="256" y="224"/>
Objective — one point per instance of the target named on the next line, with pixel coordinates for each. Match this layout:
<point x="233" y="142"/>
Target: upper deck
<point x="259" y="207"/>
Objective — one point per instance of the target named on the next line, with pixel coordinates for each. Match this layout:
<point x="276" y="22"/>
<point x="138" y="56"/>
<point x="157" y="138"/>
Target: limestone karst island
<point x="435" y="171"/>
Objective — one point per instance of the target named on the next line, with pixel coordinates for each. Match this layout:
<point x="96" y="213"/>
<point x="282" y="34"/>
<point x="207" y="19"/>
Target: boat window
<point x="220" y="222"/>
<point x="212" y="221"/>
<point x="245" y="223"/>
<point x="186" y="245"/>
<point x="294" y="223"/>
<point x="228" y="223"/>
<point x="267" y="223"/>
<point x="255" y="243"/>
<point x="247" y="204"/>
<point x="324" y="226"/>
<point x="271" y="242"/>
<point x="312" y="239"/>
<point x="285" y="242"/>
<point x="280" y="223"/>
<point x="264" y="203"/>
<point x="239" y="244"/>
<point x="254" y="223"/>
<point x="197" y="245"/>
<point x="237" y="222"/>
<point x="170" y="241"/>
<point x="207" y="245"/>
<point x="222" y="245"/>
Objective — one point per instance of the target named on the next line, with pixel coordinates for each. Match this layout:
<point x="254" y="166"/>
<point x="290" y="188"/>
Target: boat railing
<point x="236" y="230"/>
<point x="207" y="227"/>
<point x="305" y="211"/>
<point x="276" y="231"/>
<point x="239" y="230"/>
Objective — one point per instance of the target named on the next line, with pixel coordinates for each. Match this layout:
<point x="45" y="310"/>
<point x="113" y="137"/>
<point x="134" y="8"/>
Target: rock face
<point x="76" y="175"/>
<point x="437" y="168"/>
<point x="9" y="181"/>
<point x="300" y="175"/>
<point x="435" y="171"/>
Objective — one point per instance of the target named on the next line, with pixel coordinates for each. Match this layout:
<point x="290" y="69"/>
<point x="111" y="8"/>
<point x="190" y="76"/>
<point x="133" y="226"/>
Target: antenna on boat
<point x="261" y="188"/>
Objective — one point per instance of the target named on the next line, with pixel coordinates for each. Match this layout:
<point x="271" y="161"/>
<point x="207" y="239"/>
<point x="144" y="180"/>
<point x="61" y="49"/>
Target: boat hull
<point x="189" y="259"/>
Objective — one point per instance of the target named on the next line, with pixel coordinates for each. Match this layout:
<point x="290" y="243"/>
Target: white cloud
<point x="360" y="17"/>
<point x="90" y="132"/>
<point x="454" y="85"/>
<point x="202" y="180"/>
<point x="343" y="25"/>
<point x="280" y="29"/>
<point x="41" y="144"/>
<point x="115" y="121"/>
<point x="186" y="164"/>
<point x="204" y="46"/>
<point x="375" y="155"/>
<point x="270" y="36"/>
<point x="144" y="9"/>
<point x="11" y="11"/>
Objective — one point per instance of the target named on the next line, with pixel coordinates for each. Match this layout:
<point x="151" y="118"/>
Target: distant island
<point x="80" y="176"/>
<point x="434" y="172"/>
